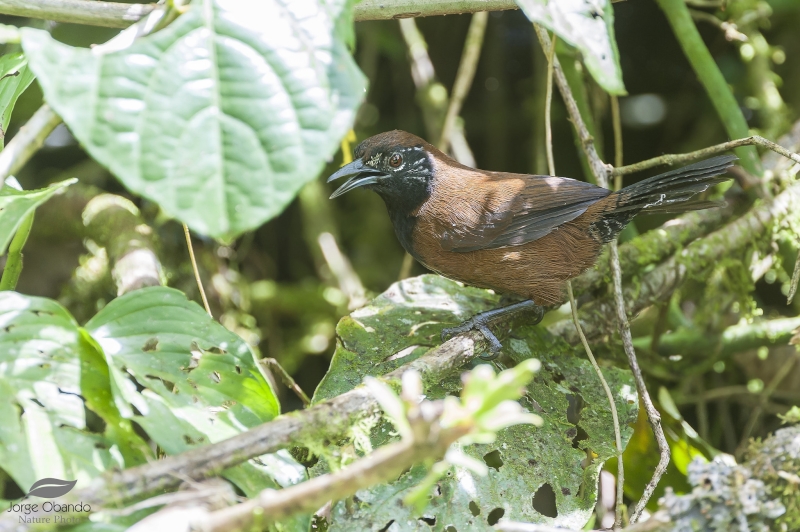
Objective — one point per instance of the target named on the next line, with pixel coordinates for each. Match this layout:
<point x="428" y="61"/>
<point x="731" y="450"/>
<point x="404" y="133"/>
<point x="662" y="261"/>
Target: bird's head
<point x="397" y="165"/>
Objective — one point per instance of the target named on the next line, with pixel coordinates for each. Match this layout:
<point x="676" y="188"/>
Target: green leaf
<point x="222" y="116"/>
<point x="589" y="26"/>
<point x="15" y="77"/>
<point x="183" y="357"/>
<point x="15" y="205"/>
<point x="44" y="430"/>
<point x="402" y="324"/>
<point x="152" y="357"/>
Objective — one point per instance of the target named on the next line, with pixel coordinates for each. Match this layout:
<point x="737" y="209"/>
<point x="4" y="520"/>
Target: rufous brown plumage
<point x="522" y="235"/>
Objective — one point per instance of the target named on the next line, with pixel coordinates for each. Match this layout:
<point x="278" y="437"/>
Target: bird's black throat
<point x="404" y="194"/>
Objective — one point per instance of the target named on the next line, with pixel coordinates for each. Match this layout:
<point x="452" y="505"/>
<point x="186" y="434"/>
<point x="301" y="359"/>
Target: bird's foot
<point x="480" y="322"/>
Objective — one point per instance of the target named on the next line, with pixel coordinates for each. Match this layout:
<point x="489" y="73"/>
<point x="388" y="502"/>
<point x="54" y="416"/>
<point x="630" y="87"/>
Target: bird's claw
<point x="481" y="325"/>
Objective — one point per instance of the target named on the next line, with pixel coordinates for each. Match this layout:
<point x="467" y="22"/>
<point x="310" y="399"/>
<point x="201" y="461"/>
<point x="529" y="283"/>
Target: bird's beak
<point x="359" y="175"/>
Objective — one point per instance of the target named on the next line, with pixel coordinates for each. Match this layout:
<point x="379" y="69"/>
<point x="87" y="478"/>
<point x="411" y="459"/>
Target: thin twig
<point x="678" y="158"/>
<point x="618" y="153"/>
<point x="587" y="142"/>
<point x="548" y="100"/>
<point x="195" y="269"/>
<point x="795" y="280"/>
<point x="288" y="381"/>
<point x="612" y="404"/>
<point x="652" y="414"/>
<point x="601" y="173"/>
<point x="552" y="170"/>
<point x="464" y="76"/>
<point x="763" y="399"/>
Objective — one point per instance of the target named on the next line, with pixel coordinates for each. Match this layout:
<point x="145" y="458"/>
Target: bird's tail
<point x="670" y="191"/>
<point x="667" y="192"/>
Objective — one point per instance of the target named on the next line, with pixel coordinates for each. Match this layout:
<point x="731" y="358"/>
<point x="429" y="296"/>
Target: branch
<point x="91" y="12"/>
<point x="27" y="141"/>
<point x="118" y="15"/>
<point x="330" y="419"/>
<point x="114" y="223"/>
<point x="398" y="9"/>
<point x="654" y="246"/>
<point x="670" y="159"/>
<point x="734" y="339"/>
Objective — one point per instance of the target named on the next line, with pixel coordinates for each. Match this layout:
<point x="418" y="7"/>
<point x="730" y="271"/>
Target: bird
<point x="523" y="236"/>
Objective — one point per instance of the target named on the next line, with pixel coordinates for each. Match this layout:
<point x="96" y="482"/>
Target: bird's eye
<point x="395" y="160"/>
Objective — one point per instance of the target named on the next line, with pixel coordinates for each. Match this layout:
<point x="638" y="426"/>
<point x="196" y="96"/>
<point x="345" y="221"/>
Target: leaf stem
<point x="13" y="267"/>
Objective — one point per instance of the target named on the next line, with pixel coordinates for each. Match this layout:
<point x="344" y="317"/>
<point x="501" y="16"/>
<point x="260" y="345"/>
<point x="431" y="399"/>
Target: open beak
<point x="359" y="175"/>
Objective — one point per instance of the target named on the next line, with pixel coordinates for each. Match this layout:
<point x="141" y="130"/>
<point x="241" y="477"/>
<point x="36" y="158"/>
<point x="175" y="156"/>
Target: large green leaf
<point x="402" y="324"/>
<point x="15" y="205"/>
<point x="182" y="357"/>
<point x="222" y="116"/>
<point x="152" y="357"/>
<point x="44" y="429"/>
<point x="587" y="25"/>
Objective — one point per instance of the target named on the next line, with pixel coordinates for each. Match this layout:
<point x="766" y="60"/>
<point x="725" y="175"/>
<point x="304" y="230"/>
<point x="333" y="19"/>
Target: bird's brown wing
<point x="539" y="206"/>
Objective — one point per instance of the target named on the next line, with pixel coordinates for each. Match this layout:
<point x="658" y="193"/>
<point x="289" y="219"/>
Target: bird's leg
<point x="480" y="322"/>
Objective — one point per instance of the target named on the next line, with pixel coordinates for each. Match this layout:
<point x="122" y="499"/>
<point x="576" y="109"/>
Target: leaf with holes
<point x="535" y="474"/>
<point x="182" y="357"/>
<point x="150" y="357"/>
<point x="222" y="116"/>
<point x="587" y="25"/>
<point x="15" y="205"/>
<point x="44" y="368"/>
